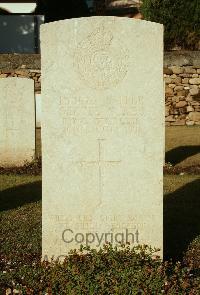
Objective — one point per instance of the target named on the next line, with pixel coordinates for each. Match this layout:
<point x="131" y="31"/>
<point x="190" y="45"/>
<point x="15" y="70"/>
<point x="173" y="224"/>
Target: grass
<point x="181" y="213"/>
<point x="18" y="190"/>
<point x="20" y="217"/>
<point x="183" y="145"/>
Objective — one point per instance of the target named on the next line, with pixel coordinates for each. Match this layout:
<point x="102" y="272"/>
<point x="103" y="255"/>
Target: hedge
<point x="111" y="270"/>
<point x="181" y="19"/>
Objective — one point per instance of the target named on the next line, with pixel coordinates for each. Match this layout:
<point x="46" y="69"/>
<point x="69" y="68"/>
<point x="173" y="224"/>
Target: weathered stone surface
<point x="168" y="80"/>
<point x="194" y="81"/>
<point x="189" y="123"/>
<point x="17" y="121"/>
<point x="182" y="93"/>
<point x="173" y="111"/>
<point x="194" y="116"/>
<point x="176" y="80"/>
<point x="181" y="97"/>
<point x="182" y="116"/>
<point x="190" y="70"/>
<point x="174" y="98"/>
<point x="102" y="160"/>
<point x="194" y="86"/>
<point x="177" y="70"/>
<point x="190" y="109"/>
<point x="178" y="88"/>
<point x="177" y="99"/>
<point x="195" y="76"/>
<point x="185" y="75"/>
<point x="185" y="80"/>
<point x="167" y="111"/>
<point x="167" y="71"/>
<point x="189" y="98"/>
<point x="173" y="76"/>
<point x="181" y="104"/>
<point x="194" y="91"/>
<point x="170" y="118"/>
<point x="169" y="91"/>
<point x="195" y="103"/>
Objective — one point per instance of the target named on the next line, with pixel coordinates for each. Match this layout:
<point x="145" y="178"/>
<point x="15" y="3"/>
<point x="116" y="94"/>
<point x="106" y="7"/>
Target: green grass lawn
<point x="20" y="217"/>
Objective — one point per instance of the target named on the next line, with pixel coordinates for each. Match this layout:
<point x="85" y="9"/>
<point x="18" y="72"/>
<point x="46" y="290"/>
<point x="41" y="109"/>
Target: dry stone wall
<point x="182" y="88"/>
<point x="181" y="76"/>
<point x="182" y="93"/>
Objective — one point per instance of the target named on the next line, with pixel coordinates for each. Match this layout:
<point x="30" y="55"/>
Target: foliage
<point x="192" y="256"/>
<point x="111" y="270"/>
<point x="180" y="19"/>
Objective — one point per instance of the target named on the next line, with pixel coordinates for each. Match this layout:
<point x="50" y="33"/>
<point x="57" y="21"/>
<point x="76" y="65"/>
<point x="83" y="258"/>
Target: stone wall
<point x="182" y="88"/>
<point x="181" y="75"/>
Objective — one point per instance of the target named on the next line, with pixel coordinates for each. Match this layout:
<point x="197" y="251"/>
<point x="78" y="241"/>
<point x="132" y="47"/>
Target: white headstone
<point x="17" y="121"/>
<point x="102" y="141"/>
<point x="38" y="109"/>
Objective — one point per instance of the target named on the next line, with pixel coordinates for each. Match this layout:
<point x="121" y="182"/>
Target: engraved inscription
<point x="81" y="114"/>
<point x="78" y="126"/>
<point x="89" y="223"/>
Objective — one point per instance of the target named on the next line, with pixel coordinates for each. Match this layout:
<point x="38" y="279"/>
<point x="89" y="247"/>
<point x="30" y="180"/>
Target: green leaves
<point x="181" y="19"/>
<point x="111" y="270"/>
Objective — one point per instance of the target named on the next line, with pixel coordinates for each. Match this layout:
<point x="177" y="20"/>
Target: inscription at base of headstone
<point x="17" y="121"/>
<point x="102" y="144"/>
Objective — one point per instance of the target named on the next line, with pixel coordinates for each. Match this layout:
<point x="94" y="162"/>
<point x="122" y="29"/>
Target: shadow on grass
<point x="20" y="195"/>
<point x="181" y="153"/>
<point x="181" y="219"/>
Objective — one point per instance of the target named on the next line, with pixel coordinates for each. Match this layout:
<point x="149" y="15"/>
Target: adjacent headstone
<point x="17" y="121"/>
<point x="102" y="144"/>
<point x="38" y="109"/>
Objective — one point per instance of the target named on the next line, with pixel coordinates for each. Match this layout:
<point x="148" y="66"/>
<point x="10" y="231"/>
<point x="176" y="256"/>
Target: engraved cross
<point x="101" y="163"/>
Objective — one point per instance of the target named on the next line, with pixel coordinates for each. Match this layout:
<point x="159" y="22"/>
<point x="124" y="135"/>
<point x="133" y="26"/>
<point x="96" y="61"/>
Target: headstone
<point x="17" y="121"/>
<point x="102" y="132"/>
<point x="38" y="109"/>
